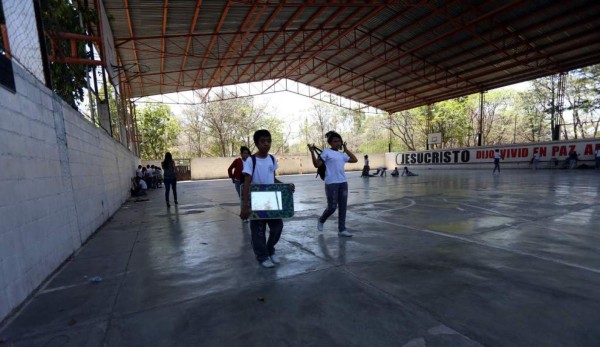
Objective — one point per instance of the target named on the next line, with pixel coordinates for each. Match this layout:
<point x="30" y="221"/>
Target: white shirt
<point x="264" y="172"/>
<point x="598" y="153"/>
<point x="366" y="162"/>
<point x="143" y="185"/>
<point x="536" y="156"/>
<point x="334" y="161"/>
<point x="496" y="155"/>
<point x="138" y="172"/>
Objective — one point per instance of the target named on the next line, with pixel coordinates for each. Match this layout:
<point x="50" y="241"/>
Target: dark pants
<point x="496" y="165"/>
<point x="337" y="195"/>
<point x="597" y="162"/>
<point x="263" y="249"/>
<point x="238" y="184"/>
<point x="168" y="183"/>
<point x="365" y="171"/>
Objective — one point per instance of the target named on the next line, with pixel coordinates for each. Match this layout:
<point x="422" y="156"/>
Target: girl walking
<point x="336" y="184"/>
<point x="169" y="177"/>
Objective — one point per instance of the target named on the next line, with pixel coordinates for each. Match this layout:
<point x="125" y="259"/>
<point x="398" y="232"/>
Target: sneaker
<point x="267" y="264"/>
<point x="344" y="233"/>
<point x="275" y="259"/>
<point x="320" y="225"/>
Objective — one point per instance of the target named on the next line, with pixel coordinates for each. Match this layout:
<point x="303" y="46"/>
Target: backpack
<point x="253" y="156"/>
<point x="321" y="170"/>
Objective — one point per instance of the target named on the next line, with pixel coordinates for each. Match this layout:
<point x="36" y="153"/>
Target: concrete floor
<point x="456" y="258"/>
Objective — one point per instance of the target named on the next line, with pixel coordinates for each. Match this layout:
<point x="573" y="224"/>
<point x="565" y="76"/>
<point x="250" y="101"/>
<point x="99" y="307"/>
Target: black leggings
<point x="168" y="183"/>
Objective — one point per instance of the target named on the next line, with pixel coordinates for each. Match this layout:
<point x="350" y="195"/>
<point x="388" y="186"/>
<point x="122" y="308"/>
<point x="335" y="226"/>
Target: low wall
<point x="212" y="168"/>
<point x="517" y="156"/>
<point x="61" y="178"/>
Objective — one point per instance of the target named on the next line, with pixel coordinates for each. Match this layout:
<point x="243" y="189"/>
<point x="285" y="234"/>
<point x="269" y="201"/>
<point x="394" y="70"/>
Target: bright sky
<point x="290" y="107"/>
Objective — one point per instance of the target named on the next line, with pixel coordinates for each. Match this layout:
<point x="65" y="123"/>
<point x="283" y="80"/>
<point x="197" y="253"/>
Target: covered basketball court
<point x="390" y="55"/>
<point x="458" y="258"/>
<point x="455" y="258"/>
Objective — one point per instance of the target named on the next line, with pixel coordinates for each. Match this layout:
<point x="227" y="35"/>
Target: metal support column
<point x="480" y="135"/>
<point x="560" y="99"/>
<point x="428" y="125"/>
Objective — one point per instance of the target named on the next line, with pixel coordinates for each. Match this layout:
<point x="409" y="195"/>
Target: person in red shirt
<point x="235" y="169"/>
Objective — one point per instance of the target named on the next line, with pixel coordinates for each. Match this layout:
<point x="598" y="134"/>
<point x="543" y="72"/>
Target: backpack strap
<point x="253" y="156"/>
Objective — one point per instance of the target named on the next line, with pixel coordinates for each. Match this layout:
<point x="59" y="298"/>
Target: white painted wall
<point x="516" y="156"/>
<point x="61" y="177"/>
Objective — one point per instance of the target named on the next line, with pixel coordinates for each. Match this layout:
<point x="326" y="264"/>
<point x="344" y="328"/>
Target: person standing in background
<point x="237" y="166"/>
<point x="169" y="177"/>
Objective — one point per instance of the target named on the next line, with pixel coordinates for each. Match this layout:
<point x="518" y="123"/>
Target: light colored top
<point x="264" y="172"/>
<point x="497" y="155"/>
<point x="366" y="162"/>
<point x="138" y="172"/>
<point x="334" y="162"/>
<point x="598" y="153"/>
<point x="536" y="156"/>
<point x="143" y="185"/>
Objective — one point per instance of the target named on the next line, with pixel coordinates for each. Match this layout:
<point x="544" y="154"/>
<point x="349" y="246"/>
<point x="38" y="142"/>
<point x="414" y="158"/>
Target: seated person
<point x="381" y="171"/>
<point x="159" y="177"/>
<point x="407" y="172"/>
<point x="395" y="173"/>
<point x="140" y="187"/>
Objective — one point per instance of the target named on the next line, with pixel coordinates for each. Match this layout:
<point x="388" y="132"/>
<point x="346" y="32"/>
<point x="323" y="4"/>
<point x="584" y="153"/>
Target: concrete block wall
<point x="61" y="177"/>
<point x="209" y="168"/>
<point x="212" y="168"/>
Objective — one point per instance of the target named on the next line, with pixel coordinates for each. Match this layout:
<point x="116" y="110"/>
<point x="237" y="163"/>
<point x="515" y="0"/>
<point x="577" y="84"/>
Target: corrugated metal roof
<point x="390" y="54"/>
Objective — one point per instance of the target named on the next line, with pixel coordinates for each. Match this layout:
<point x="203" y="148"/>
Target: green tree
<point x="450" y="119"/>
<point x="322" y="117"/>
<point x="158" y="130"/>
<point x="582" y="100"/>
<point x="407" y="127"/>
<point x="220" y="127"/>
<point x="68" y="80"/>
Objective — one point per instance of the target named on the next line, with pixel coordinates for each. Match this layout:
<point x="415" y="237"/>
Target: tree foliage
<point x="220" y="127"/>
<point x="68" y="80"/>
<point x="158" y="130"/>
<point x="509" y="116"/>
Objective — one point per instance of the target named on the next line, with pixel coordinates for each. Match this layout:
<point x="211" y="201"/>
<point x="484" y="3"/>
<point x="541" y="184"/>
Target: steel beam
<point x="486" y="71"/>
<point x="346" y="31"/>
<point x="212" y="41"/>
<point x="189" y="42"/>
<point x="285" y="26"/>
<point x="373" y="47"/>
<point x="285" y="42"/>
<point x="163" y="50"/>
<point x="254" y="39"/>
<point x="234" y="46"/>
<point x="438" y="38"/>
<point x="137" y="62"/>
<point x="483" y="58"/>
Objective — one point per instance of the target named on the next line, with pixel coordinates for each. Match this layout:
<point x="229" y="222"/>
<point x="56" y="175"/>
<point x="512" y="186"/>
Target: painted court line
<point x="412" y="203"/>
<point x="464" y="239"/>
